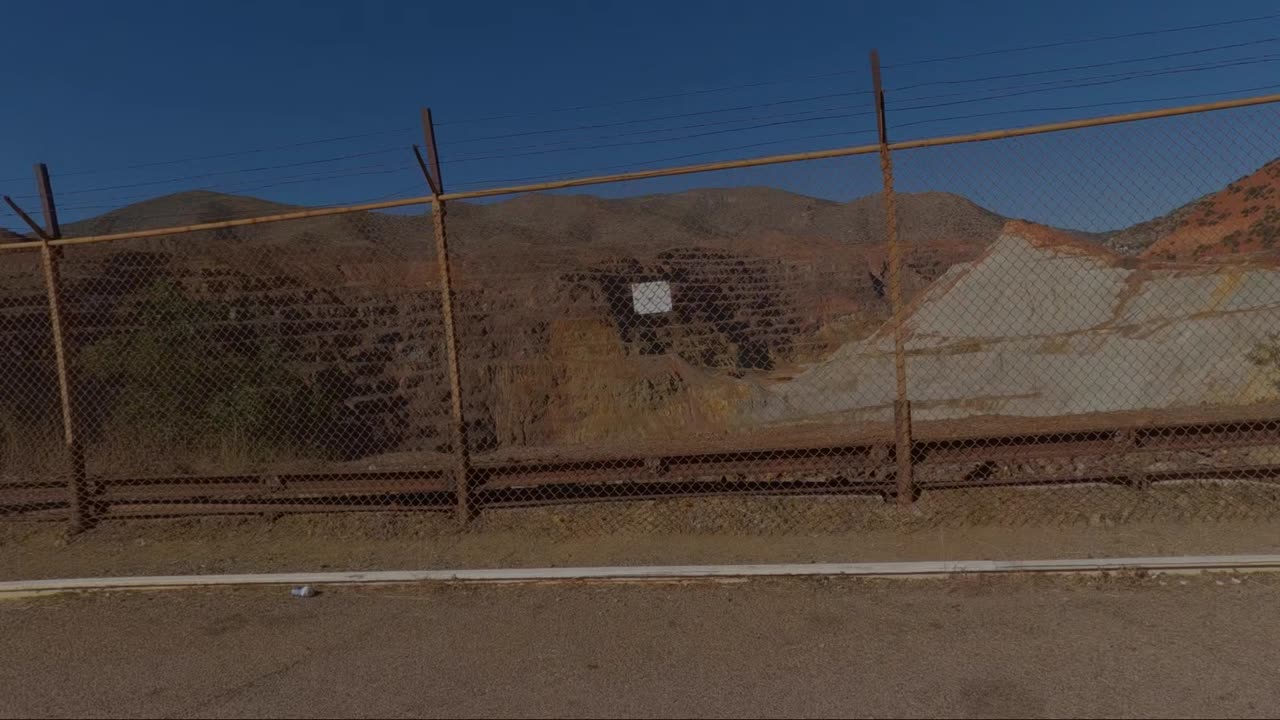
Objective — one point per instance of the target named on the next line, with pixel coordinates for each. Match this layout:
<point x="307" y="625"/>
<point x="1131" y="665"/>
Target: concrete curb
<point x="1182" y="564"/>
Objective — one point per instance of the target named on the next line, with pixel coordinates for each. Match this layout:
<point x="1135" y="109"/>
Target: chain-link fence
<point x="639" y="349"/>
<point x="287" y="366"/>
<point x="724" y="356"/>
<point x="1119" y="346"/>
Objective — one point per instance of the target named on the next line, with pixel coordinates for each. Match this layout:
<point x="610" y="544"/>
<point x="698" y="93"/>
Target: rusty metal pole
<point x="462" y="456"/>
<point x="81" y="511"/>
<point x="901" y="404"/>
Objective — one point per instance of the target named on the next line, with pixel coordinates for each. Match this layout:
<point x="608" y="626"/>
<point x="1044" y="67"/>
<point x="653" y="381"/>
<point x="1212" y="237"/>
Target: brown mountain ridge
<point x="1242" y="218"/>
<point x="764" y="283"/>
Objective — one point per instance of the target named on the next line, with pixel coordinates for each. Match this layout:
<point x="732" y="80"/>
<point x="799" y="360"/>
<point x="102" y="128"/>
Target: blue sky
<point x="96" y="89"/>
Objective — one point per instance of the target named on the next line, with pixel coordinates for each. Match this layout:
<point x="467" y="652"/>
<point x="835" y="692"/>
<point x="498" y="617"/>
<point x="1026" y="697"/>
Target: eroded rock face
<point x="375" y="353"/>
<point x="763" y="284"/>
<point x="564" y="355"/>
<point x="777" y="306"/>
<point x="1243" y="218"/>
<point x="1044" y="325"/>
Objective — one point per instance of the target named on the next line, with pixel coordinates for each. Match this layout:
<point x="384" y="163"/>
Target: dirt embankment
<point x="551" y="346"/>
<point x="766" y="286"/>
<point x="1046" y="325"/>
<point x="1243" y="218"/>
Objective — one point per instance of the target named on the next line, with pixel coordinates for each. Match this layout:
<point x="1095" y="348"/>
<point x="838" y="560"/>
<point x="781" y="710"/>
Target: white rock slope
<point x="1044" y="325"/>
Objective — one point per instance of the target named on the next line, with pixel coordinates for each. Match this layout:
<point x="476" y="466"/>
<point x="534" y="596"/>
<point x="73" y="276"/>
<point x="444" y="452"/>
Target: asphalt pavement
<point x="968" y="647"/>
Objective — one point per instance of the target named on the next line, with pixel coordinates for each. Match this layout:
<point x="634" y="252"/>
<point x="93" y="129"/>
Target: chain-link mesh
<point x="286" y="366"/>
<point x="34" y="467"/>
<point x="717" y="358"/>
<point x="1126" y="362"/>
<point x="635" y="348"/>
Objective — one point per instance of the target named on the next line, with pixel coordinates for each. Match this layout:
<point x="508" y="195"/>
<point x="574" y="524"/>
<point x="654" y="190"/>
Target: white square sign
<point x="649" y="298"/>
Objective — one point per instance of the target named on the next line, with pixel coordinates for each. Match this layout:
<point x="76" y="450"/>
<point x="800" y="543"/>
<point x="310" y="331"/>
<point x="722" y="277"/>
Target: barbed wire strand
<point x="1080" y="41"/>
<point x="1090" y="66"/>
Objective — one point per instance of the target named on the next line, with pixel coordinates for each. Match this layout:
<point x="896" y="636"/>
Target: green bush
<point x="183" y="372"/>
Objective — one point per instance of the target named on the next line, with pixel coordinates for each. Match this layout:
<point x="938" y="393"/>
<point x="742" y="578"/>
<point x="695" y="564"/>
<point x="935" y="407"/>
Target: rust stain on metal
<point x="902" y="404"/>
<point x="843" y="469"/>
<point x="458" y="427"/>
<point x="77" y="484"/>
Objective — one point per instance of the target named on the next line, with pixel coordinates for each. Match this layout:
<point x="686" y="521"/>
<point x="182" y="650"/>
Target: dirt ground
<point x="1007" y="524"/>
<point x="1162" y="646"/>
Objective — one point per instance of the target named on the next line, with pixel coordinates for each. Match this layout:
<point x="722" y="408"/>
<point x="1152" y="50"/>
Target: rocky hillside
<point x="1044" y="325"/>
<point x="1242" y="218"/>
<point x="762" y="280"/>
<point x="322" y="338"/>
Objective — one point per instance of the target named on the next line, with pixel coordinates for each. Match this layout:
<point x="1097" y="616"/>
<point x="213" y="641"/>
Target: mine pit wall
<point x="30" y="424"/>
<point x="375" y="351"/>
<point x="1043" y="326"/>
<point x="560" y="355"/>
<point x="551" y="350"/>
<point x="529" y="347"/>
<point x="376" y="348"/>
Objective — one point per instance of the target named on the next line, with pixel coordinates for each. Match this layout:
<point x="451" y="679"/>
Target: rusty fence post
<point x="901" y="404"/>
<point x="458" y="427"/>
<point x="77" y="485"/>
